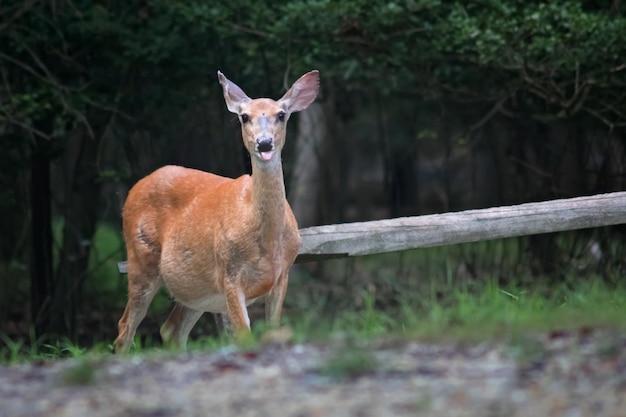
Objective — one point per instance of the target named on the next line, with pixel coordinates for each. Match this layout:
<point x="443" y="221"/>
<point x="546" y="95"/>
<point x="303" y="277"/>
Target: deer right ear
<point x="233" y="95"/>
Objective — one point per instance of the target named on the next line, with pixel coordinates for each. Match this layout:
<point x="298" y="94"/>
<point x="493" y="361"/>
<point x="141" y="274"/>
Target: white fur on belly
<point x="212" y="303"/>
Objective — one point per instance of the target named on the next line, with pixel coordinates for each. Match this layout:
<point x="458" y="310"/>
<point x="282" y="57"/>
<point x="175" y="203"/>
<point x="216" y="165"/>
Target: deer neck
<point x="268" y="195"/>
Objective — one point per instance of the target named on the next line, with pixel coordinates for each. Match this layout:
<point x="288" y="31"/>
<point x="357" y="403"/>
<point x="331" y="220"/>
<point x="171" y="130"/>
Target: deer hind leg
<point x="274" y="301"/>
<point x="141" y="290"/>
<point x="224" y="326"/>
<point x="175" y="331"/>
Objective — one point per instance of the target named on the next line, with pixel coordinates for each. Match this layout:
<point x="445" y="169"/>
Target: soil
<point x="567" y="374"/>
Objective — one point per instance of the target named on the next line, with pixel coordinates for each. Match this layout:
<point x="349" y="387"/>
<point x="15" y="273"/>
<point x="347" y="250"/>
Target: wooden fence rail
<point x="366" y="238"/>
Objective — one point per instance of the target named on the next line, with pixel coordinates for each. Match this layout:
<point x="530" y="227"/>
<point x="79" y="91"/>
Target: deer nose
<point x="265" y="144"/>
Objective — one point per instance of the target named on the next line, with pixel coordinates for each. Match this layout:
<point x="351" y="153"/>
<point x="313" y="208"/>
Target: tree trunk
<point x="80" y="211"/>
<point x="306" y="174"/>
<point x="41" y="236"/>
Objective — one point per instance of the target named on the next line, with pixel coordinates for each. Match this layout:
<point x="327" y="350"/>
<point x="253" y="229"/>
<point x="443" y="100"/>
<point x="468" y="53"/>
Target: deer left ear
<point x="233" y="94"/>
<point x="302" y="93"/>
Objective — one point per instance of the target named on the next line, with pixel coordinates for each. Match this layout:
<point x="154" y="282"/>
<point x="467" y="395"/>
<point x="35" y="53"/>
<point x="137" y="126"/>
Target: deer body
<point x="217" y="244"/>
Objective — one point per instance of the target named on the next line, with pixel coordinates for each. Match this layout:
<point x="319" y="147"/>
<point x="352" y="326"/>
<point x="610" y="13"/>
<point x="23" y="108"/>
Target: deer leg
<point x="274" y="301"/>
<point x="224" y="326"/>
<point x="178" y="325"/>
<point x="236" y="308"/>
<point x="141" y="291"/>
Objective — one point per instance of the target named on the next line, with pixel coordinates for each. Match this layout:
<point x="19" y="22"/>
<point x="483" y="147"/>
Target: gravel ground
<point x="558" y="374"/>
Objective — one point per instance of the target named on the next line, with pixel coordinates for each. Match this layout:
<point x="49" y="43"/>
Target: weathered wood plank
<point x="366" y="238"/>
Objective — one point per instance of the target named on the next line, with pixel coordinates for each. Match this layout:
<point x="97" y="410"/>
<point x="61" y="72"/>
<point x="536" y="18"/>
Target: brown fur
<point x="215" y="243"/>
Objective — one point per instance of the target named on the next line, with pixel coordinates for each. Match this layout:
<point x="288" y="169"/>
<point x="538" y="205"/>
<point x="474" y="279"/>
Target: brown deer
<point x="217" y="244"/>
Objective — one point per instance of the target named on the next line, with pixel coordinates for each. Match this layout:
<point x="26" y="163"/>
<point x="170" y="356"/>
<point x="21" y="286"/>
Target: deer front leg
<point x="178" y="325"/>
<point x="236" y="308"/>
<point x="274" y="301"/>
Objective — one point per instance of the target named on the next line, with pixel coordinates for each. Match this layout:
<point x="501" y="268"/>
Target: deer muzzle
<point x="265" y="147"/>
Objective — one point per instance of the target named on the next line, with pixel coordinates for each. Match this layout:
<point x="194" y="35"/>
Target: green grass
<point x="474" y="315"/>
<point x="41" y="349"/>
<point x="472" y="292"/>
<point x="492" y="313"/>
<point x="467" y="292"/>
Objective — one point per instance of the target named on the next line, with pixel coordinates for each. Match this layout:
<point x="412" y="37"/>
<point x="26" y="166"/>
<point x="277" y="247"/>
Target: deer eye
<point x="245" y="118"/>
<point x="281" y="116"/>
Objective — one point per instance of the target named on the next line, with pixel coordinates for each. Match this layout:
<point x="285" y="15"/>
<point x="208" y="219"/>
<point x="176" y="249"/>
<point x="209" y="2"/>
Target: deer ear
<point x="233" y="95"/>
<point x="302" y="93"/>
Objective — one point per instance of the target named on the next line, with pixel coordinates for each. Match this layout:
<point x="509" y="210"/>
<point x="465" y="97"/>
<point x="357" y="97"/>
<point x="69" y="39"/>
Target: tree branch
<point x="30" y="70"/>
<point x="244" y="29"/>
<point x="27" y="127"/>
<point x="490" y="113"/>
<point x="25" y="8"/>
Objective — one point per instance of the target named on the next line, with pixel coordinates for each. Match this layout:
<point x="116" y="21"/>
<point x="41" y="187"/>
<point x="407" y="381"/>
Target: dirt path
<point x="561" y="374"/>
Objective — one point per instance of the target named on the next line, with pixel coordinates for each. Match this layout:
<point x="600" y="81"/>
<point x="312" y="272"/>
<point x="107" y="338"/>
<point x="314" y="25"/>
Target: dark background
<point x="426" y="106"/>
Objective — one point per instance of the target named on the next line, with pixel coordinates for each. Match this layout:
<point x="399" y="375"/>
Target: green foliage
<point x="556" y="52"/>
<point x="367" y="321"/>
<point x="559" y="37"/>
<point x="107" y="250"/>
<point x="11" y="351"/>
<point x="89" y="55"/>
<point x="15" y="351"/>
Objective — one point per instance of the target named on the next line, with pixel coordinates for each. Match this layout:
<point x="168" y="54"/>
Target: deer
<point x="216" y="244"/>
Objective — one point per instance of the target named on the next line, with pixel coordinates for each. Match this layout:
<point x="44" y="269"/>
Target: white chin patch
<point x="266" y="156"/>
